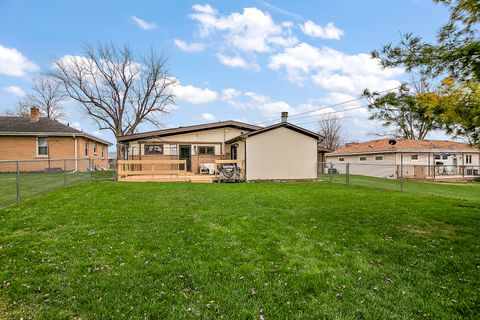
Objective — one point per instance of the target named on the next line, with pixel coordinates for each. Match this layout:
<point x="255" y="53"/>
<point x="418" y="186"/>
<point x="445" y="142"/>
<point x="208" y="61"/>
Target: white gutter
<point x="75" y="152"/>
<point x="334" y="154"/>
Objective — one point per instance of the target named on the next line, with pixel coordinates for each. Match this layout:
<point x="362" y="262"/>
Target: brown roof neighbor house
<point x="419" y="158"/>
<point x="44" y="141"/>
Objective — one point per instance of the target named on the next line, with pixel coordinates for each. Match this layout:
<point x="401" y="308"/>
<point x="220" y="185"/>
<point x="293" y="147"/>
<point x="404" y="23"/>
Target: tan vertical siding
<point x="281" y="154"/>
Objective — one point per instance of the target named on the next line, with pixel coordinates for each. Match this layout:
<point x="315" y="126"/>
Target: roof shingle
<point x="25" y="126"/>
<point x="401" y="145"/>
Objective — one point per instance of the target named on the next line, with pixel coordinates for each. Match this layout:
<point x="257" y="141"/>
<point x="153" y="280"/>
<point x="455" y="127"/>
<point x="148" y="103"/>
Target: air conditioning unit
<point x="229" y="173"/>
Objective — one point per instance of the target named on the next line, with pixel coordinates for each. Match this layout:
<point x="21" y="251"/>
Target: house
<point x="41" y="142"/>
<point x="419" y="159"/>
<point x="279" y="152"/>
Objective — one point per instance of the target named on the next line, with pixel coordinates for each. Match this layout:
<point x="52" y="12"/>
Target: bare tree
<point x="46" y="96"/>
<point x="115" y="90"/>
<point x="331" y="128"/>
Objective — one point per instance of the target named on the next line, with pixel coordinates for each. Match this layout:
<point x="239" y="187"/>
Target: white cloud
<point x="334" y="70"/>
<point x="208" y="116"/>
<point x="194" y="95"/>
<point x="237" y="62"/>
<point x="268" y="107"/>
<point x="14" y="63"/>
<point x="204" y="9"/>
<point x="250" y="31"/>
<point x="15" y="90"/>
<point x="189" y="47"/>
<point x="230" y="93"/>
<point x="327" y="32"/>
<point x="142" y="24"/>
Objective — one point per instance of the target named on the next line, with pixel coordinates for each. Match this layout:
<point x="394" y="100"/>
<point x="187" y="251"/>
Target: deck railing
<point x="151" y="167"/>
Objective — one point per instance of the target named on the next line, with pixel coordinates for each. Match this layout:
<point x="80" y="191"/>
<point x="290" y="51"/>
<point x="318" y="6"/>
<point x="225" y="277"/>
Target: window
<point x="438" y="157"/>
<point x="86" y="148"/>
<point x="233" y="153"/>
<point x="341" y="159"/>
<point x="95" y="148"/>
<point x="206" y="150"/>
<point x="153" y="149"/>
<point x="468" y="159"/>
<point x="173" y="150"/>
<point x="103" y="154"/>
<point x="444" y="157"/>
<point x="414" y="157"/>
<point x="42" y="146"/>
<point x="362" y="158"/>
<point x="378" y="158"/>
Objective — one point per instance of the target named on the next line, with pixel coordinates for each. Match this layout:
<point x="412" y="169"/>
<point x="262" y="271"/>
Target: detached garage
<point x="279" y="152"/>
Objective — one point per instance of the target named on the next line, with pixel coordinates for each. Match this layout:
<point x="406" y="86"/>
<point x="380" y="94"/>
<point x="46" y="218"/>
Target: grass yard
<point x="456" y="190"/>
<point x="33" y="184"/>
<point x="239" y="251"/>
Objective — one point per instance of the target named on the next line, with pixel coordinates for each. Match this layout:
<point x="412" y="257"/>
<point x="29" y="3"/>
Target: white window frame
<point x="95" y="148"/>
<point x="103" y="152"/>
<point x="206" y="153"/>
<point x="414" y="155"/>
<point x="360" y="158"/>
<point x="341" y="159"/>
<point x="468" y="159"/>
<point x="36" y="148"/>
<point x="379" y="160"/>
<point x="86" y="149"/>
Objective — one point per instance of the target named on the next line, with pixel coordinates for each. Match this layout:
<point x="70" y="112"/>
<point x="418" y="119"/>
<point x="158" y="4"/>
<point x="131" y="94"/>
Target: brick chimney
<point x="284" y="116"/>
<point x="34" y="114"/>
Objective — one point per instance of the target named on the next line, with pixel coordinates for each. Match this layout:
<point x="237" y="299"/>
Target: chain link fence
<point x="396" y="177"/>
<point x="26" y="179"/>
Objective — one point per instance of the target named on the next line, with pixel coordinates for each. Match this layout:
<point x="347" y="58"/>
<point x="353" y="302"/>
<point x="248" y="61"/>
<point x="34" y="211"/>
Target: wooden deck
<point x="194" y="178"/>
<point x="165" y="171"/>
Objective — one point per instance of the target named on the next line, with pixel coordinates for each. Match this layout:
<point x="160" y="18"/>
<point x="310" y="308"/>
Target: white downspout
<point x="75" y="152"/>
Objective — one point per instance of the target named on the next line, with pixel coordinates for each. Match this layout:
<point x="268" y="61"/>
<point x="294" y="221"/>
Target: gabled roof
<point x="24" y="126"/>
<point x="186" y="129"/>
<point x="275" y="126"/>
<point x="382" y="145"/>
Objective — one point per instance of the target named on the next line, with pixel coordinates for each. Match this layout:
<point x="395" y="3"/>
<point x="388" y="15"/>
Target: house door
<point x="186" y="154"/>
<point x="419" y="172"/>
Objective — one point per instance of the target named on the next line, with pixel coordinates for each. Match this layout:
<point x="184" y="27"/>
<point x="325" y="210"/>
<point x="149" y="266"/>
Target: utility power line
<point x="335" y="105"/>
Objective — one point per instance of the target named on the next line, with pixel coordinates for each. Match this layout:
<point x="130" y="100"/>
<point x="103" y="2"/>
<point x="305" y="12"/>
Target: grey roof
<point x="206" y="126"/>
<point x="24" y="126"/>
<point x="277" y="125"/>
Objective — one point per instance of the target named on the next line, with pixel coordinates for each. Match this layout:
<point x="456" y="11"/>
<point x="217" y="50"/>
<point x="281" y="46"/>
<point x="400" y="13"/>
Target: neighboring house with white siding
<point x="421" y="159"/>
<point x="279" y="152"/>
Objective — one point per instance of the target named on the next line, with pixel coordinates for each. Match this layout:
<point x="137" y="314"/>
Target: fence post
<point x="401" y="176"/>
<point x="65" y="173"/>
<point x="90" y="168"/>
<point x="18" y="181"/>
<point x="347" y="173"/>
<point x="331" y="172"/>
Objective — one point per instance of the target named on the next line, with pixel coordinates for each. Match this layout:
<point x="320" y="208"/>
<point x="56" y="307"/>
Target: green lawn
<point x="33" y="184"/>
<point x="239" y="251"/>
<point x="456" y="190"/>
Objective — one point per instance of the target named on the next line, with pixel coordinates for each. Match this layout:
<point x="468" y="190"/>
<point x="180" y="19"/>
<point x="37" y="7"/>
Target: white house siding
<point x="281" y="154"/>
<point x="389" y="167"/>
<point x="212" y="137"/>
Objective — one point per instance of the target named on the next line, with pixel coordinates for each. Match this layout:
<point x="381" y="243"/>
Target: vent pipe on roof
<point x="34" y="114"/>
<point x="284" y="116"/>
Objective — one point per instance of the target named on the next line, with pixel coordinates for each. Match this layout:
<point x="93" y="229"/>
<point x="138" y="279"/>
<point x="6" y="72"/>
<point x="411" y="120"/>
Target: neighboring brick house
<point x="44" y="141"/>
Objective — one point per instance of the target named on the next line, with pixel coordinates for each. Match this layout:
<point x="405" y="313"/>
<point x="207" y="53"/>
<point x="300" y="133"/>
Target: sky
<point x="234" y="60"/>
